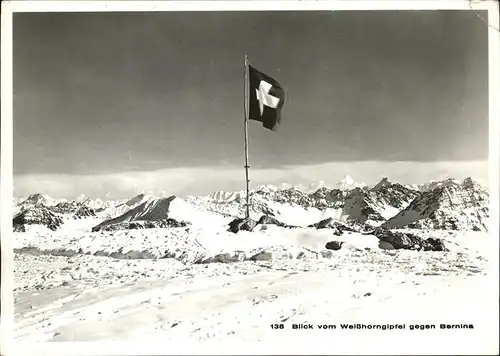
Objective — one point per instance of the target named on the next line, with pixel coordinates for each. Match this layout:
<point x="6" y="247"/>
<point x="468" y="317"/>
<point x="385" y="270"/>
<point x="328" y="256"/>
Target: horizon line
<point x="304" y="188"/>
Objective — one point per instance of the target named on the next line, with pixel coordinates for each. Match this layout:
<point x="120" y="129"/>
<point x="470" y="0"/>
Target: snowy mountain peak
<point x="135" y="200"/>
<point x="451" y="181"/>
<point x="35" y="199"/>
<point x="81" y="198"/>
<point x="347" y="182"/>
<point x="448" y="182"/>
<point x="434" y="184"/>
<point x="38" y="199"/>
<point x="384" y="182"/>
<point x="149" y="210"/>
<point x="35" y="196"/>
<point x="469" y="183"/>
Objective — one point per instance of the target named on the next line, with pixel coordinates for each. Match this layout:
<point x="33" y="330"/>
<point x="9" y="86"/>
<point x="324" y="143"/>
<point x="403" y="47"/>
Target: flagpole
<point x="246" y="138"/>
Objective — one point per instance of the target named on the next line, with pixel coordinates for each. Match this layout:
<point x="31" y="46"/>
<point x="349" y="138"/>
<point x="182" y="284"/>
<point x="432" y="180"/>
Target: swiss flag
<point x="266" y="99"/>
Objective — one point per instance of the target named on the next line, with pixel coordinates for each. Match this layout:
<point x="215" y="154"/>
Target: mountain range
<point x="451" y="205"/>
<point x="447" y="205"/>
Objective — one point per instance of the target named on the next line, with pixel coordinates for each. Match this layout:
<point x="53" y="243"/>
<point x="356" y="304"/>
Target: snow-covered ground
<point x="67" y="289"/>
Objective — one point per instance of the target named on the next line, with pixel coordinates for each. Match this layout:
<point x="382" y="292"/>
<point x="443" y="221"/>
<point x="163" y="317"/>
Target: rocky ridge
<point x="36" y="215"/>
<point x="451" y="205"/>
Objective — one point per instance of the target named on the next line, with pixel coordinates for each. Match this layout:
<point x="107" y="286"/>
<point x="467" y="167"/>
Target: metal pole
<point x="246" y="139"/>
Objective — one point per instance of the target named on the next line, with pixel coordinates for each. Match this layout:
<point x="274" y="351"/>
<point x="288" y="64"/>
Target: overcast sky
<point x="121" y="103"/>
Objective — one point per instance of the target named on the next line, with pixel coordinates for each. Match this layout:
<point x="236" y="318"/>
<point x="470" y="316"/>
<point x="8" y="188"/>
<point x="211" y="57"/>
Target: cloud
<point x="203" y="180"/>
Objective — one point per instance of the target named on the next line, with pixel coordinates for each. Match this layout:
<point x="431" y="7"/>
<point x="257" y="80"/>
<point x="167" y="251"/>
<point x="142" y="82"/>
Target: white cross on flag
<point x="266" y="99"/>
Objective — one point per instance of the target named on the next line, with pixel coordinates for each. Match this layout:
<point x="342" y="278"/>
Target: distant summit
<point x="36" y="199"/>
<point x="384" y="183"/>
<point x="348" y="183"/>
<point x="135" y="200"/>
<point x="226" y="197"/>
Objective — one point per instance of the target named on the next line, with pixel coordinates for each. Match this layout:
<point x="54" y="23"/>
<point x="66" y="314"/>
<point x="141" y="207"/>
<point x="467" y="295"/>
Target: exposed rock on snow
<point x="326" y="253"/>
<point x="359" y="206"/>
<point x="385" y="245"/>
<point x="266" y="219"/>
<point x="449" y="206"/>
<point x="67" y="207"/>
<point x="259" y="255"/>
<point x="262" y="256"/>
<point x="328" y="198"/>
<point x="252" y="255"/>
<point x="393" y="194"/>
<point x="329" y="223"/>
<point x="269" y="220"/>
<point x="408" y="241"/>
<point x="126" y="255"/>
<point x="184" y="254"/>
<point x="245" y="224"/>
<point x="36" y="215"/>
<point x="237" y="256"/>
<point x="436" y="244"/>
<point x="293" y="196"/>
<point x="250" y="224"/>
<point x="77" y="210"/>
<point x="165" y="223"/>
<point x="334" y="245"/>
<point x="84" y="212"/>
